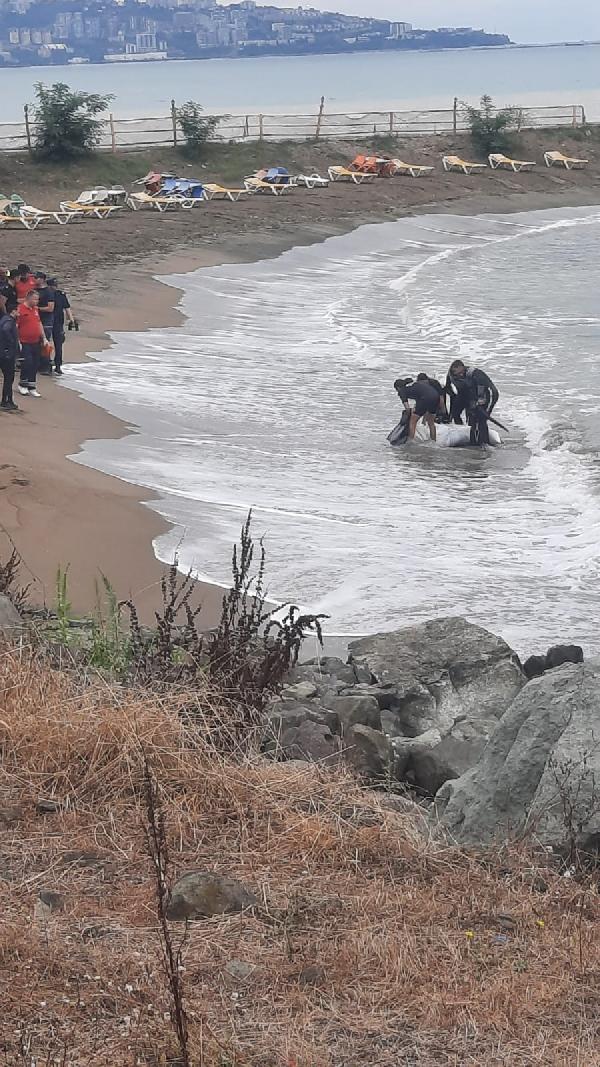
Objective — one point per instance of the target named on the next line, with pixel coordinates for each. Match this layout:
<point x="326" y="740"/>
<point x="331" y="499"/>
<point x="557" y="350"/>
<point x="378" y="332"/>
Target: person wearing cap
<point x="46" y="311"/>
<point x="62" y="310"/>
<point x="8" y="280"/>
<point x="9" y="350"/>
<point x="32" y="337"/>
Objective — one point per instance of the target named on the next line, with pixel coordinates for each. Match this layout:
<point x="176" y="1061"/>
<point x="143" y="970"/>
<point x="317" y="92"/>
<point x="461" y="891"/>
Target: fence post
<point x="583" y="118"/>
<point x="574" y="115"/>
<point x="455" y="115"/>
<point x="27" y="128"/>
<point x="174" y="122"/>
<point x="113" y="137"/>
<point x="319" y="118"/>
<point x="391" y="123"/>
<point x="246" y="132"/>
<point x="260" y="128"/>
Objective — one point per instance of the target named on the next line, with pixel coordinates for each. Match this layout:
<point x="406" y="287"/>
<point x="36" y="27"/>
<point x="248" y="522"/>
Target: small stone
<point x="534" y="667"/>
<point x="239" y="970"/>
<point x="300" y="691"/>
<point x="558" y="655"/>
<point x="312" y="975"/>
<point x="505" y="922"/>
<point x="53" y="900"/>
<point x="201" y="894"/>
<point x="49" y="806"/>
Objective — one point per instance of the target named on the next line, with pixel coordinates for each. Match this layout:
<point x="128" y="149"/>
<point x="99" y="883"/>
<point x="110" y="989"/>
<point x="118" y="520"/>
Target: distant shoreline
<point x="141" y="60"/>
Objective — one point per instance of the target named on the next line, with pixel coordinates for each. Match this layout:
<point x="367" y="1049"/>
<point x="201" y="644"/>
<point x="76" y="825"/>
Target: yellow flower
<point x="540" y="923"/>
<point x="470" y="934"/>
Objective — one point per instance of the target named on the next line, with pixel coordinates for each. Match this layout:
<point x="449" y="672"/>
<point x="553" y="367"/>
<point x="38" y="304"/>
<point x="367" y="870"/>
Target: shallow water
<point x="277" y="395"/>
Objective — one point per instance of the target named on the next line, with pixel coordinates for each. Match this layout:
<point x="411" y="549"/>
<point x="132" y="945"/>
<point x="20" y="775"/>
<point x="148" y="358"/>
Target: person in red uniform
<point x="24" y="282"/>
<point x="31" y="337"/>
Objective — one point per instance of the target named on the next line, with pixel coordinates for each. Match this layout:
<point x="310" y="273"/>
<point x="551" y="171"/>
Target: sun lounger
<point x="98" y="211"/>
<point x="158" y="203"/>
<point x="415" y="170"/>
<point x="62" y="217"/>
<point x="19" y="220"/>
<point x="344" y="174"/>
<point x="312" y="181"/>
<point x="258" y="185"/>
<point x="101" y="195"/>
<point x="220" y="192"/>
<point x="557" y="159"/>
<point x="456" y="163"/>
<point x="499" y="161"/>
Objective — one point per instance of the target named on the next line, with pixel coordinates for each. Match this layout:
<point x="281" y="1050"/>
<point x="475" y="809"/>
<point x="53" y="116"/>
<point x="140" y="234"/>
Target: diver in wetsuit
<point x="427" y="402"/>
<point x="472" y="390"/>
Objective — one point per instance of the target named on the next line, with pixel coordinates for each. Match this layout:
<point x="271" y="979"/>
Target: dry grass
<point x="420" y="955"/>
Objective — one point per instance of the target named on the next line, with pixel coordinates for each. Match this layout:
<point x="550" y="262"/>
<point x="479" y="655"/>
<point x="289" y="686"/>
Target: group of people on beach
<point x="468" y="390"/>
<point x="34" y="311"/>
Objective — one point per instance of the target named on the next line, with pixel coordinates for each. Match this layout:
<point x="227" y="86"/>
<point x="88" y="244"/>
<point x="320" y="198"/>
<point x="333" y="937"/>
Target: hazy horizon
<point x="529" y="22"/>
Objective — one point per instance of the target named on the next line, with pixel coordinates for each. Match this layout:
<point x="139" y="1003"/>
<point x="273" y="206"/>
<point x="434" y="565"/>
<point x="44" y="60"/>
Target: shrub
<point x="491" y="129"/>
<point x="195" y="126"/>
<point x="65" y="121"/>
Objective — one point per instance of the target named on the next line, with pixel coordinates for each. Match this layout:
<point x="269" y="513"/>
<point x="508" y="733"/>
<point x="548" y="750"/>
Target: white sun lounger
<point x="345" y="174"/>
<point x="557" y="159"/>
<point x="312" y="181"/>
<point x="159" y="203"/>
<point x="456" y="163"/>
<point x="222" y="192"/>
<point x="414" y="170"/>
<point x="500" y="161"/>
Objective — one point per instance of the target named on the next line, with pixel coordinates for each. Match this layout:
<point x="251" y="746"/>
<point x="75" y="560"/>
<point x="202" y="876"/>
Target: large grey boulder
<point x="11" y="623"/>
<point x="446" y="675"/>
<point x="369" y="752"/>
<point x="542" y="761"/>
<point x="356" y="710"/>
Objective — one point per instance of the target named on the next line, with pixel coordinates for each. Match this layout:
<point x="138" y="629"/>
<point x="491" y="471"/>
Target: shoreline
<point x="58" y="512"/>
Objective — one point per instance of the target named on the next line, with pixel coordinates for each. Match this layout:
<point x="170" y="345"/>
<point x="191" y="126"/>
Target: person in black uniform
<point x="427" y="402"/>
<point x="471" y="390"/>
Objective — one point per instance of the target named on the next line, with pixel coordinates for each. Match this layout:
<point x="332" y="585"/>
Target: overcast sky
<point x="523" y="20"/>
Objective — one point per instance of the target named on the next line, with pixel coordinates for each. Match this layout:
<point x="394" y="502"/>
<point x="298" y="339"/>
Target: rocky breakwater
<point x="447" y="708"/>
<point x="416" y="705"/>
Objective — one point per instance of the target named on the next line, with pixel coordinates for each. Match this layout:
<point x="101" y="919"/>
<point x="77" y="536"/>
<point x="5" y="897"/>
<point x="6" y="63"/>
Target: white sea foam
<point x="276" y="395"/>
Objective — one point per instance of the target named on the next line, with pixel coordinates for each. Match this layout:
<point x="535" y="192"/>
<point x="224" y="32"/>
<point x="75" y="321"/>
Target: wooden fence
<point x="162" y="131"/>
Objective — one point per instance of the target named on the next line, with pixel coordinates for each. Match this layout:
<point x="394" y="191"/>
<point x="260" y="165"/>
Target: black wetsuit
<point x="477" y="395"/>
<point x="425" y="395"/>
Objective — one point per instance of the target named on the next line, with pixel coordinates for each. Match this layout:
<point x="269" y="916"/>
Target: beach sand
<point x="58" y="512"/>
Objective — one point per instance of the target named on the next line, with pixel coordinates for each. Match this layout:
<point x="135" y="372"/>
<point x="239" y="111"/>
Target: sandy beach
<point x="58" y="512"/>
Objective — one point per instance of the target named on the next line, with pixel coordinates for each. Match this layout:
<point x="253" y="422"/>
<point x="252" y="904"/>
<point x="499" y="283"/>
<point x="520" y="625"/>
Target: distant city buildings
<point x="54" y="31"/>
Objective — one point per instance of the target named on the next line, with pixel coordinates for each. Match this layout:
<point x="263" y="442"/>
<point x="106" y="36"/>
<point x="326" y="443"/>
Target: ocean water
<point x="352" y="82"/>
<point x="276" y="395"/>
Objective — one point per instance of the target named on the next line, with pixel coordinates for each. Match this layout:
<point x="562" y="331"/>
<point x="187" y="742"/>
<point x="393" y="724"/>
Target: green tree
<point x="492" y="130"/>
<point x="196" y="127"/>
<point x="66" y="123"/>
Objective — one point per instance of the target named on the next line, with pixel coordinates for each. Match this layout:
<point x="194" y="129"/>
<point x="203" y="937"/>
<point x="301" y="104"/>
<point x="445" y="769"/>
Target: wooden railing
<point x="121" y="134"/>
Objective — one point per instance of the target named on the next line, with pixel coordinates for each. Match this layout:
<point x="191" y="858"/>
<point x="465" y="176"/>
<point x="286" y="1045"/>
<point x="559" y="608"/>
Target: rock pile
<point x="447" y="707"/>
<point x="418" y="704"/>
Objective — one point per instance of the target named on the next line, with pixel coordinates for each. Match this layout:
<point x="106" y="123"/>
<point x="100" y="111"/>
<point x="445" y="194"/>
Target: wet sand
<point x="58" y="512"/>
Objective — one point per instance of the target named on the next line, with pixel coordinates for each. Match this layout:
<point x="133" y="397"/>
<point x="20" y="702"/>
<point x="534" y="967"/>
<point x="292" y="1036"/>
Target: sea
<point x="276" y="395"/>
<point x="356" y="82"/>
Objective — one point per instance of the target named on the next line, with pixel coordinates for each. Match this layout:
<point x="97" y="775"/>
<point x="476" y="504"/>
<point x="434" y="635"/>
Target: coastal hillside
<point x="353" y="936"/>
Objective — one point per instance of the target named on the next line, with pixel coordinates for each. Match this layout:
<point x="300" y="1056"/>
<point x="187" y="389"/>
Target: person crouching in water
<point x="427" y="402"/>
<point x="471" y="390"/>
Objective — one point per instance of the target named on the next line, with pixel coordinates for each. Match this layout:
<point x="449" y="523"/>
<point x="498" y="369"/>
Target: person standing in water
<point x="471" y="390"/>
<point x="427" y="402"/>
